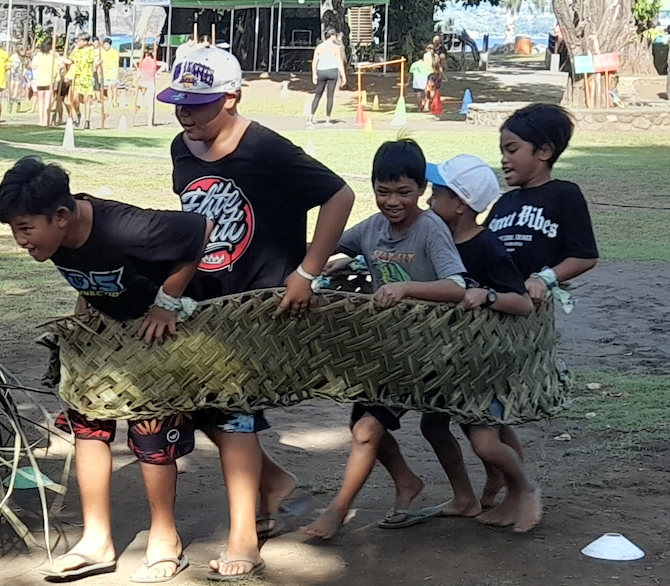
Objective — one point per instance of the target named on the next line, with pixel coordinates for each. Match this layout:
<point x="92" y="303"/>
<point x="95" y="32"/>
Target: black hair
<point x="330" y="32"/>
<point x="94" y="39"/>
<point x="84" y="37"/>
<point x="107" y="40"/>
<point x="400" y="158"/>
<point x="33" y="188"/>
<point x="542" y="125"/>
<point x="45" y="46"/>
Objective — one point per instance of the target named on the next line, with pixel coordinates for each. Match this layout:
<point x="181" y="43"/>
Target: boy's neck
<point x="540" y="179"/>
<point x="464" y="228"/>
<point x="79" y="226"/>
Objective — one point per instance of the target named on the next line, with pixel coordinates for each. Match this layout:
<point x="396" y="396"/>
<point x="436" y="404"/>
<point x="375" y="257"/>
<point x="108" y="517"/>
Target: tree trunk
<point x="108" y="21"/>
<point x="510" y="25"/>
<point x="600" y="26"/>
<point x="334" y="14"/>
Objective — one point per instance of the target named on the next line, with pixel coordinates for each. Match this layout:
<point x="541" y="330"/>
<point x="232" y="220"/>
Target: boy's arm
<point x="330" y="224"/>
<point x="159" y="322"/>
<point x="512" y="303"/>
<point x="449" y="289"/>
<point x="565" y="270"/>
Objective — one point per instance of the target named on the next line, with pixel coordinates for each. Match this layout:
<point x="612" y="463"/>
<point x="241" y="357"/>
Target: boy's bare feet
<point x="407" y="492"/>
<point x="504" y="514"/>
<point x="271" y="499"/>
<point x="159" y="548"/>
<point x="327" y="524"/>
<point x="453" y="508"/>
<point x="530" y="511"/>
<point x="87" y="548"/>
<point x="495" y="482"/>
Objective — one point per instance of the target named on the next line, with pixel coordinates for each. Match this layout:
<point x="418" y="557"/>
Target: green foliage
<point x="646" y="16"/>
<point x="412" y="24"/>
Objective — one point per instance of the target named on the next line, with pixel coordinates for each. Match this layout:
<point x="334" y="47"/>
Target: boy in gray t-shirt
<point x="411" y="254"/>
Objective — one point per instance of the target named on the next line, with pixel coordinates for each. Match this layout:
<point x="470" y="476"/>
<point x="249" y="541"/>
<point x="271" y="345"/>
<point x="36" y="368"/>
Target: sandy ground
<point x="592" y="485"/>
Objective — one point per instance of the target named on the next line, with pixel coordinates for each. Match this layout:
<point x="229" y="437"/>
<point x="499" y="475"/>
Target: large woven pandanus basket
<point x="231" y="354"/>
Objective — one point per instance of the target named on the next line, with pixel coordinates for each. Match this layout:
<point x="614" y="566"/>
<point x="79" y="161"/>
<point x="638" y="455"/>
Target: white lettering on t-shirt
<point x="530" y="217"/>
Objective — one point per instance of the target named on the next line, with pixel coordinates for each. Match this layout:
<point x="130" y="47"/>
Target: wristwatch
<point x="491" y="298"/>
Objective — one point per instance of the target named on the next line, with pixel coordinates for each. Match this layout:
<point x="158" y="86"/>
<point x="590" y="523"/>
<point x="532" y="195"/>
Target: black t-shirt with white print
<point x="542" y="226"/>
<point x="489" y="264"/>
<point x="258" y="198"/>
<point x="128" y="255"/>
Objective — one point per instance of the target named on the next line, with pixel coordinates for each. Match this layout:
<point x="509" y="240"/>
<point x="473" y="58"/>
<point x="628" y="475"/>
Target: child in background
<point x="420" y="71"/>
<point x="125" y="262"/>
<point x="411" y="254"/>
<point x="544" y="223"/>
<point x="463" y="187"/>
<point x="147" y="70"/>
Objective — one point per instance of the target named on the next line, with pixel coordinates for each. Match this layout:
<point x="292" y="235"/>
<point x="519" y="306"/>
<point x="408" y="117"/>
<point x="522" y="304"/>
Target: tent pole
<point x="386" y="34"/>
<point x="278" y="36"/>
<point x="232" y="25"/>
<point x="256" y="42"/>
<point x="272" y="26"/>
<point x="169" y="38"/>
<point x="132" y="41"/>
<point x="90" y="19"/>
<point x="10" y="9"/>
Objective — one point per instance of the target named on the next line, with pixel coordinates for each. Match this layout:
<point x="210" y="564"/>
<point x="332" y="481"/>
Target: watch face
<point x="492" y="297"/>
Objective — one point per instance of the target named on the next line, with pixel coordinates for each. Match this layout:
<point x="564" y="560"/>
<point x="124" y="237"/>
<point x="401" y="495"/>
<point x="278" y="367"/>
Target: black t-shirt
<point x="128" y="255"/>
<point x="488" y="263"/>
<point x="258" y="198"/>
<point x="542" y="226"/>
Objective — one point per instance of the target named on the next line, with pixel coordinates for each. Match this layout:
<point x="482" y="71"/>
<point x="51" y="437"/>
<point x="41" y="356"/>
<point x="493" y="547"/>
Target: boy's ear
<point x="546" y="152"/>
<point x="61" y="216"/>
<point x="231" y="100"/>
<point x="422" y="189"/>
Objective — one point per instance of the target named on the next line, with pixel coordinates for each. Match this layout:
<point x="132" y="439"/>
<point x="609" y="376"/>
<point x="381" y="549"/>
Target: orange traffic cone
<point x="436" y="104"/>
<point x="360" y="115"/>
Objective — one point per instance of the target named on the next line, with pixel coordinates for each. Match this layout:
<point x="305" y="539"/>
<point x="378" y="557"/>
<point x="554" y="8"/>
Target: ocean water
<point x="499" y="40"/>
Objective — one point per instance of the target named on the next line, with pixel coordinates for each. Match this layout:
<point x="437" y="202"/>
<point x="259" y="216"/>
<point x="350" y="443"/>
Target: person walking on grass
<point x="327" y="69"/>
<point x="82" y="59"/>
<point x="44" y="65"/>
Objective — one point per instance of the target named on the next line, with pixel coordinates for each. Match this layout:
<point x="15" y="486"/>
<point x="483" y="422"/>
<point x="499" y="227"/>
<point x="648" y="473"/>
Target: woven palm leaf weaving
<point x="233" y="355"/>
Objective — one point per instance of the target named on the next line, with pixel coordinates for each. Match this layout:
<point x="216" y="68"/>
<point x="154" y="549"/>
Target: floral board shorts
<point x="162" y="441"/>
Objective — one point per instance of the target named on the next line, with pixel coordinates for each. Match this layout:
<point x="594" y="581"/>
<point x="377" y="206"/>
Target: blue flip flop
<point x="400" y="518"/>
<point x="290" y="508"/>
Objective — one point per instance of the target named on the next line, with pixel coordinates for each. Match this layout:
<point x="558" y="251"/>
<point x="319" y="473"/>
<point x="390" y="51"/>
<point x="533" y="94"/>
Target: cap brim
<point x="433" y="175"/>
<point x="179" y="97"/>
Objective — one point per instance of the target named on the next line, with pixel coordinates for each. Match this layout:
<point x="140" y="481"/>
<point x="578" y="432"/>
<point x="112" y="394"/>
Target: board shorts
<point x="162" y="441"/>
<point x="83" y="85"/>
<point x="389" y="418"/>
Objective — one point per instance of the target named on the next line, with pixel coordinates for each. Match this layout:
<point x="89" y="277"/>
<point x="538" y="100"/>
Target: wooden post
<point x="101" y="78"/>
<point x="402" y="77"/>
<point x="360" y="86"/>
<point x="213" y="39"/>
<point x="587" y="91"/>
<point x="195" y="30"/>
<point x="607" y="89"/>
<point x="53" y="66"/>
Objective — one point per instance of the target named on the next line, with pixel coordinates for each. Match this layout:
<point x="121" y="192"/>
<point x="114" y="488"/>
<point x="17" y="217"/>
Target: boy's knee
<point x="484" y="444"/>
<point x="367" y="430"/>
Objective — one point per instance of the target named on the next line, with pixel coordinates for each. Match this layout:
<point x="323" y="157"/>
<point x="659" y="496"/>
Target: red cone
<point x="436" y="105"/>
<point x="360" y="115"/>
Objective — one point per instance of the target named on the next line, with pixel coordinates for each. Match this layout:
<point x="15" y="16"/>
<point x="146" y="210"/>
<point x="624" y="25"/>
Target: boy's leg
<point x="522" y="507"/>
<point x="407" y="484"/>
<point x="495" y="479"/>
<point x="367" y="434"/>
<point x="435" y="428"/>
<point x="93" y="461"/>
<point x="158" y="443"/>
<point x="276" y="485"/>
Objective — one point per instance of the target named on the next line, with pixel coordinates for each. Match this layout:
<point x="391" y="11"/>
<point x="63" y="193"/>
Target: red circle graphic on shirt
<point x="222" y="202"/>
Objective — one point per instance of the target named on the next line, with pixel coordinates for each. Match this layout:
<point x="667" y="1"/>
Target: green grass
<point x="625" y="403"/>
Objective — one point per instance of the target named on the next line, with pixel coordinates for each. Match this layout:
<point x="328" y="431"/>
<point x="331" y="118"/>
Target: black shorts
<point x="43" y="88"/>
<point x="389" y="418"/>
<point x="63" y="87"/>
<point x="162" y="441"/>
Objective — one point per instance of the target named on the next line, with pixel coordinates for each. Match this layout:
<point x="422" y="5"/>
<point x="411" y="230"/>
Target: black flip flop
<point x="87" y="568"/>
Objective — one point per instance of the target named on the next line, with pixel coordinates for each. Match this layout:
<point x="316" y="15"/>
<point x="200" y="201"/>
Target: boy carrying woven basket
<point x="256" y="187"/>
<point x="411" y="254"/>
<point x="463" y="187"/>
<point x="125" y="262"/>
<point x="544" y="225"/>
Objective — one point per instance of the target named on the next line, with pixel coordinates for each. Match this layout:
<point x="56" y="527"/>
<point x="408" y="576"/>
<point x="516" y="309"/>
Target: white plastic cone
<point x="123" y="124"/>
<point x="68" y="137"/>
<point x="284" y="90"/>
<point x="400" y="114"/>
<point x="310" y="149"/>
<point x="614" y="547"/>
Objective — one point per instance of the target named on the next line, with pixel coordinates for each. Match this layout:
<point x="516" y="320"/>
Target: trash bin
<point x="523" y="45"/>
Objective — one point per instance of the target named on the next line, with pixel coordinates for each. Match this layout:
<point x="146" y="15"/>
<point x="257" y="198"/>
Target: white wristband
<point x="304" y="274"/>
<point x="183" y="306"/>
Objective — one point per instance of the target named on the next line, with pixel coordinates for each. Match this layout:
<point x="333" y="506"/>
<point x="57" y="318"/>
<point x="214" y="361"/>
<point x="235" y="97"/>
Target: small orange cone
<point x="436" y="108"/>
<point x="360" y="115"/>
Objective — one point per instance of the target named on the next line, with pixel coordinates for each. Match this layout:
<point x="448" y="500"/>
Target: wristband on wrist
<point x="182" y="306"/>
<point x="304" y="274"/>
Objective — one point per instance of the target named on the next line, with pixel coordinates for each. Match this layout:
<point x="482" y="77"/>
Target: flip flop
<point x="399" y="518"/>
<point x="181" y="564"/>
<point x="88" y="567"/>
<point x="256" y="569"/>
<point x="290" y="507"/>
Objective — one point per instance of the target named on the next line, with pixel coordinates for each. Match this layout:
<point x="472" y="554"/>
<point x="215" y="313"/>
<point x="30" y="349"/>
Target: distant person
<point x="420" y="71"/>
<point x="186" y="48"/>
<point x="43" y="66"/>
<point x="16" y="68"/>
<point x="667" y="81"/>
<point x="327" y="69"/>
<point x="148" y="68"/>
<point x="110" y="71"/>
<point x="82" y="59"/>
<point x="4" y="66"/>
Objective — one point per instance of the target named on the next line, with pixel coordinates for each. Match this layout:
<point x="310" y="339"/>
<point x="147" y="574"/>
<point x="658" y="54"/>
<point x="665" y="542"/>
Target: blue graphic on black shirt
<point x="95" y="282"/>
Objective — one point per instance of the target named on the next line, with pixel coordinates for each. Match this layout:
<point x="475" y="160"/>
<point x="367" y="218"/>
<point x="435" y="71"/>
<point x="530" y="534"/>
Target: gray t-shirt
<point x="426" y="253"/>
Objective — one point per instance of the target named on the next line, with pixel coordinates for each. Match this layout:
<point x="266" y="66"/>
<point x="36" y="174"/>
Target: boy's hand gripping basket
<point x="233" y="355"/>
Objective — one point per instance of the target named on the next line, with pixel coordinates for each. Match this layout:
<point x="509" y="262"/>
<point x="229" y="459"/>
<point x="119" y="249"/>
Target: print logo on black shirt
<point x="528" y="216"/>
<point x="95" y="282"/>
<point x="222" y="202"/>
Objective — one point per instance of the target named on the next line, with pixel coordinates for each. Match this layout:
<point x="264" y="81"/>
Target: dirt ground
<point x="591" y="485"/>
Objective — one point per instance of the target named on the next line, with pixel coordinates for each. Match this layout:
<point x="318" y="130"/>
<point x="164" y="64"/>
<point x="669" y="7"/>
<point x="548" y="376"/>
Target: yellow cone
<point x="364" y="98"/>
<point x="368" y="125"/>
<point x="375" y="103"/>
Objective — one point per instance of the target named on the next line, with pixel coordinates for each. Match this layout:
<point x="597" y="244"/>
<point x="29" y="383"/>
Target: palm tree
<point x="512" y="8"/>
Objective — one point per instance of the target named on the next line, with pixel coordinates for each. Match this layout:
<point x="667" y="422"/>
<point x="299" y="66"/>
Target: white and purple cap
<point x="203" y="76"/>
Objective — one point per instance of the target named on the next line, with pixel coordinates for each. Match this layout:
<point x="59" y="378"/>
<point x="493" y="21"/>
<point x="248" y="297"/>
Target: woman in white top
<point x="327" y="68"/>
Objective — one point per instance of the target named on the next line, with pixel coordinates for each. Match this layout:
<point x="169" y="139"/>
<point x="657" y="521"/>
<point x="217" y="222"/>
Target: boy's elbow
<point x="345" y="196"/>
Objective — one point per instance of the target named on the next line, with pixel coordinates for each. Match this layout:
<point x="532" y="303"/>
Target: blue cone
<point x="467" y="100"/>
